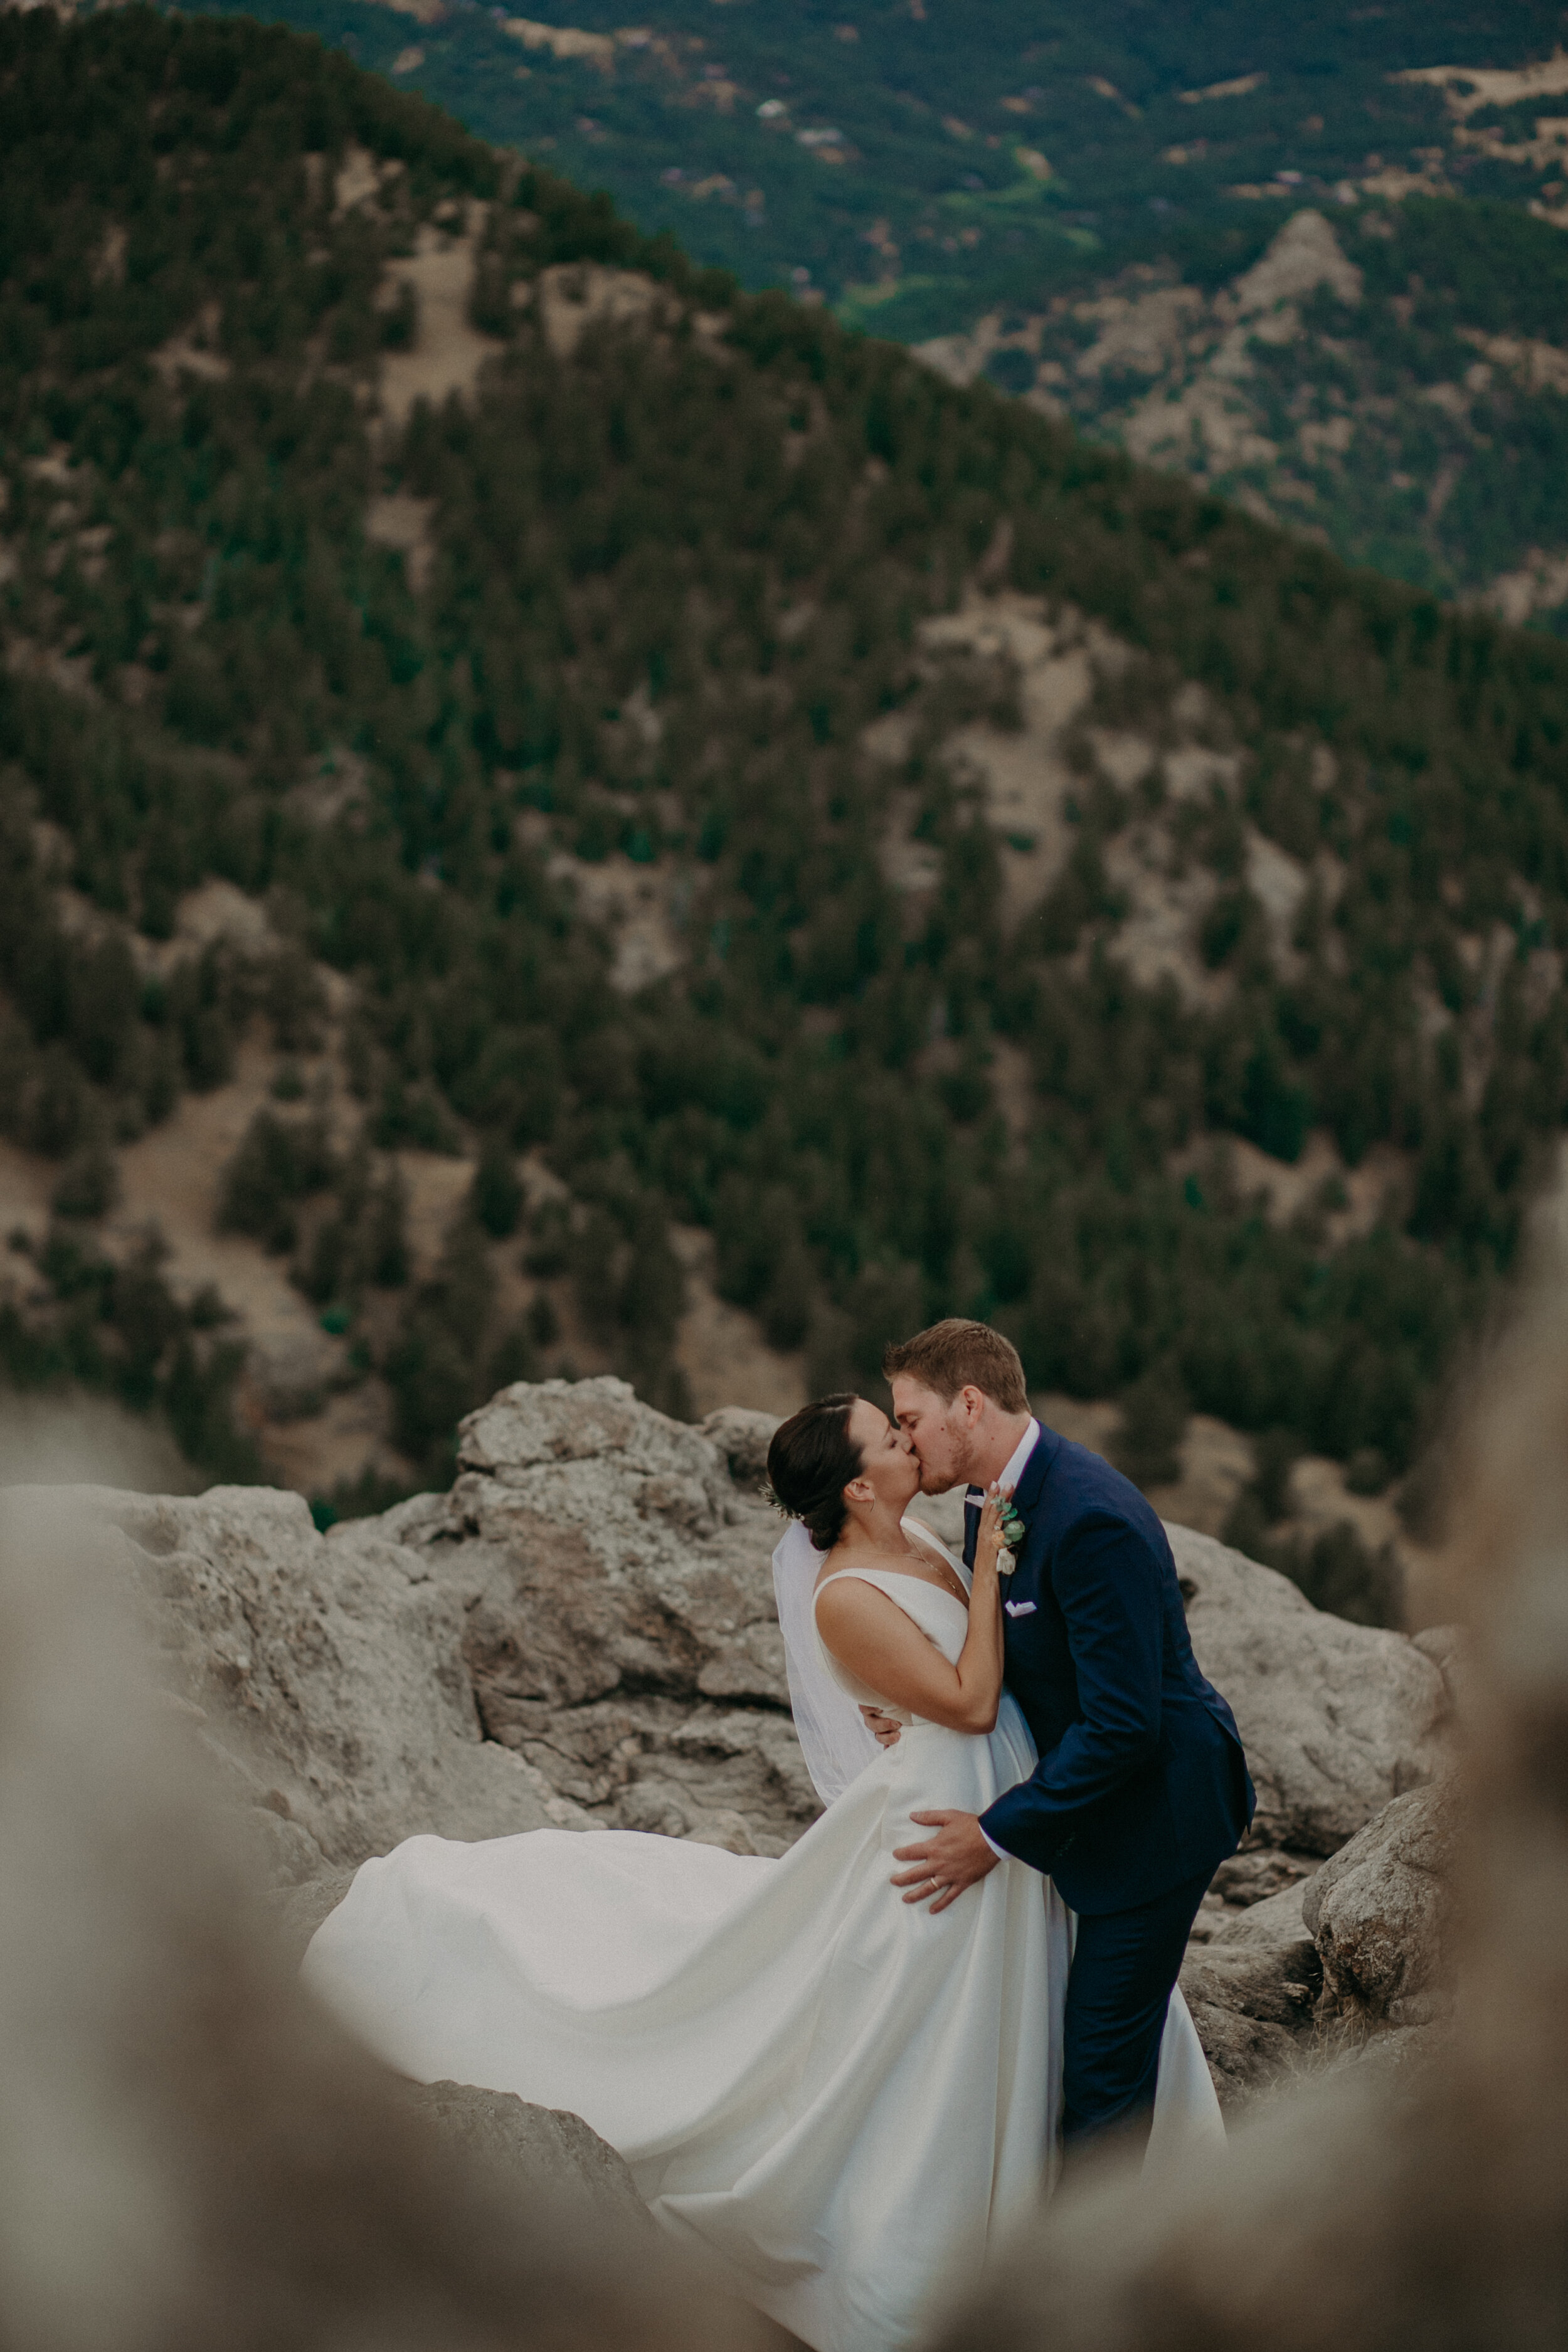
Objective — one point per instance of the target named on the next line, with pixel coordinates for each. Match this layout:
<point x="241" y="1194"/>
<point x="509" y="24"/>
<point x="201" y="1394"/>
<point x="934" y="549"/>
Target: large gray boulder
<point x="1336" y="1718"/>
<point x="1380" y="1911"/>
<point x="606" y="1547"/>
<point x="582" y="1630"/>
<point x="612" y="1568"/>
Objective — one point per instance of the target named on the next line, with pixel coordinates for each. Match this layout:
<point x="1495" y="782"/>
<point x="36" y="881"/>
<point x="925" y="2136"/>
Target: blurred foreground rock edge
<point x="191" y="2153"/>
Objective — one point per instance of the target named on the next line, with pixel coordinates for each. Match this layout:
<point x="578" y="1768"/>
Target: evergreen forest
<point x="680" y="572"/>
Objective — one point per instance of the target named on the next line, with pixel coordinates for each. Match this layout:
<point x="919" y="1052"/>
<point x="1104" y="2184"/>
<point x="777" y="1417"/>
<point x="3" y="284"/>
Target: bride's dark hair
<point x="810" y="1461"/>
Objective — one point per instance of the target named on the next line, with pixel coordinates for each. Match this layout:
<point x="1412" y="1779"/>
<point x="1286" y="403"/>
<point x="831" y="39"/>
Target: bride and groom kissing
<point x="840" y="2078"/>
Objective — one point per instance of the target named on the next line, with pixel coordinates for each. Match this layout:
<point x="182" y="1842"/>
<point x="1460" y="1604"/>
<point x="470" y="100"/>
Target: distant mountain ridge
<point x="918" y="164"/>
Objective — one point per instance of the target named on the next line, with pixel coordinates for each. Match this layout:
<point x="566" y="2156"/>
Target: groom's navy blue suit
<point x="1141" y="1788"/>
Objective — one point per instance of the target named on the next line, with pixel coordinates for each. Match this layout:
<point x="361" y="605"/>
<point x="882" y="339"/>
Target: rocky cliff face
<point x="582" y="1633"/>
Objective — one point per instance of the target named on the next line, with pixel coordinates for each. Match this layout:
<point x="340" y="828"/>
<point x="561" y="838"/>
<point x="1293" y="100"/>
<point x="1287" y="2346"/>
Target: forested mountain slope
<point x="660" y="732"/>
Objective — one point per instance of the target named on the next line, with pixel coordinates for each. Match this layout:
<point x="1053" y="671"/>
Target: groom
<point x="1141" y="1788"/>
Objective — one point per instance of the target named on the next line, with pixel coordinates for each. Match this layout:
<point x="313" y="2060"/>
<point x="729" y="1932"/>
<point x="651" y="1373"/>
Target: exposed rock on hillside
<point x="1251" y="2004"/>
<point x="620" y="1624"/>
<point x="330" y="1676"/>
<point x="1360" y="1946"/>
<point x="1313" y="389"/>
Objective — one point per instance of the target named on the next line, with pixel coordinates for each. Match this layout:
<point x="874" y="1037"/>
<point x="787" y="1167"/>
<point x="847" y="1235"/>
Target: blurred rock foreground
<point x="581" y="1633"/>
<point x="191" y="2153"/>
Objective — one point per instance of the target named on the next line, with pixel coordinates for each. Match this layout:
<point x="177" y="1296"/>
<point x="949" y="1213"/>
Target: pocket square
<point x="1020" y="1608"/>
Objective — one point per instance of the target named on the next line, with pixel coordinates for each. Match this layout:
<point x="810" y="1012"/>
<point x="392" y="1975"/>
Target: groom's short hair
<point x="958" y="1354"/>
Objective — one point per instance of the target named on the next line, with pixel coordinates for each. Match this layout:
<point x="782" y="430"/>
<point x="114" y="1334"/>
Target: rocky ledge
<point x="582" y="1633"/>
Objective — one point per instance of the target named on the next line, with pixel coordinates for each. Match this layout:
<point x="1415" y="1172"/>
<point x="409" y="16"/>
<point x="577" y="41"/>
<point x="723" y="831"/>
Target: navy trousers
<point x="1125" y="1966"/>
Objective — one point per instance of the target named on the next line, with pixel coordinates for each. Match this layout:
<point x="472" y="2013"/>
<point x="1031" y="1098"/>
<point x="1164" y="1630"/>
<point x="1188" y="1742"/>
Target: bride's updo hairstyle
<point x="810" y="1461"/>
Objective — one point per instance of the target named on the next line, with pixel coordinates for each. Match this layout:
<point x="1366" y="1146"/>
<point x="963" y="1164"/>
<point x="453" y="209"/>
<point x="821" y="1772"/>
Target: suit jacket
<point x="1142" y="1780"/>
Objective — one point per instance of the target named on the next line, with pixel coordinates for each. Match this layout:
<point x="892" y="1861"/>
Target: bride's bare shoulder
<point x="856" y="1616"/>
<point x="834" y="1564"/>
<point x="849" y="1580"/>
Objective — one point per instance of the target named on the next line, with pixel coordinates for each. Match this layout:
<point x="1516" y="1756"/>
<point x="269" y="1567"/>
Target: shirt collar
<point x="1019" y="1458"/>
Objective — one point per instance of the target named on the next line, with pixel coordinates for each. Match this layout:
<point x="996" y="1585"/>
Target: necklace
<point x="949" y="1582"/>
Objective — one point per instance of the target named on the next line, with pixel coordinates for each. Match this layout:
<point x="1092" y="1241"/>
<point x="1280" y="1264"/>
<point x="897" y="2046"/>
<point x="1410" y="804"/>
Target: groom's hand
<point x="883" y="1728"/>
<point x="955" y="1858"/>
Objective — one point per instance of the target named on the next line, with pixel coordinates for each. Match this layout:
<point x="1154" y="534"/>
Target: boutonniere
<point x="1013" y="1533"/>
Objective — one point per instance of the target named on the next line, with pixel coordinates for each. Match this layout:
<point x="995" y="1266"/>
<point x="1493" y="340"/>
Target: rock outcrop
<point x="1344" y="1727"/>
<point x="1250" y="2003"/>
<point x="613" y="1569"/>
<point x="582" y="1633"/>
<point x="1253" y="1987"/>
<point x="1379" y="1910"/>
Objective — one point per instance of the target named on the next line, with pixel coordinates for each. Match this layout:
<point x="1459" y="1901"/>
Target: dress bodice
<point x="940" y="1616"/>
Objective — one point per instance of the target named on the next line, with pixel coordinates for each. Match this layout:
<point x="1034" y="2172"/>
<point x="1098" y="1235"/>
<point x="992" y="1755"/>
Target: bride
<point x="837" y="2097"/>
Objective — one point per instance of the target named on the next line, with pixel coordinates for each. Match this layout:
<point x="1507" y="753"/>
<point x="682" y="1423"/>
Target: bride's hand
<point x="884" y="1729"/>
<point x="988" y="1543"/>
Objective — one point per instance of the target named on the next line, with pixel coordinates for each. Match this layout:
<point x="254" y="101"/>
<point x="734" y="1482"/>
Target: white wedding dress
<point x="838" y="2099"/>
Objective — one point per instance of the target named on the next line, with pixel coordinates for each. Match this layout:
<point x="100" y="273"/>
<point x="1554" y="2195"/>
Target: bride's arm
<point x="869" y="1634"/>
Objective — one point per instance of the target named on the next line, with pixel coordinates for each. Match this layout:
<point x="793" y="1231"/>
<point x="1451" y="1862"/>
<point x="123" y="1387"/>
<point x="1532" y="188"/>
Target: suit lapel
<point x="1028" y="1493"/>
<point x="972" y="1499"/>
